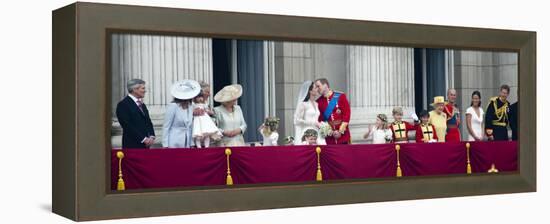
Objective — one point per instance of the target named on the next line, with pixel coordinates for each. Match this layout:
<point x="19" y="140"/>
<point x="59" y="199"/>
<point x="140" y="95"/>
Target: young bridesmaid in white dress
<point x="307" y="112"/>
<point x="269" y="131"/>
<point x="380" y="132"/>
<point x="310" y="137"/>
<point x="204" y="127"/>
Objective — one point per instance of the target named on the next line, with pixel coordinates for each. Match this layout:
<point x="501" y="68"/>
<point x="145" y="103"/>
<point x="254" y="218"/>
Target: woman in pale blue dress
<point x="178" y="120"/>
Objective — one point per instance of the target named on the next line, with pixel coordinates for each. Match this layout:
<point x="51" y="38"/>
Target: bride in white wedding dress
<point x="307" y="113"/>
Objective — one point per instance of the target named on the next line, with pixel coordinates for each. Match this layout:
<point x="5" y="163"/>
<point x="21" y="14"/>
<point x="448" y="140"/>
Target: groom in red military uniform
<point x="335" y="110"/>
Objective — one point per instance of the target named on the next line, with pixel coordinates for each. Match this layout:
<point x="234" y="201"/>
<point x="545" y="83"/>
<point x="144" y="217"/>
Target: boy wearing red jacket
<point x="425" y="132"/>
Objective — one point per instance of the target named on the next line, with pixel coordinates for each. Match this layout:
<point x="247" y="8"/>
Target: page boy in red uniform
<point x="425" y="132"/>
<point x="400" y="128"/>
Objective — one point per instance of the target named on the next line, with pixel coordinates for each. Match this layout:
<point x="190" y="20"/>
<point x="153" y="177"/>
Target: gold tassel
<point x="468" y="166"/>
<point x="229" y="179"/>
<point x="319" y="174"/>
<point x="120" y="186"/>
<point x="398" y="173"/>
<point x="493" y="169"/>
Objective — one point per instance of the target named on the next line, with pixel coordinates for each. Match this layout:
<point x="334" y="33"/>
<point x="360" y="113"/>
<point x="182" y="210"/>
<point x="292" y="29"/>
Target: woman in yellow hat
<point x="438" y="118"/>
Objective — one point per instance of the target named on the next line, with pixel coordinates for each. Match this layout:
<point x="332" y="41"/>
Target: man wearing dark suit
<point x="133" y="116"/>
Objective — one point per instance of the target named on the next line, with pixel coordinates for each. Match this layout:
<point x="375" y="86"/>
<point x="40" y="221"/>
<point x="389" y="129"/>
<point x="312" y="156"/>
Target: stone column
<point x="379" y="79"/>
<point x="159" y="61"/>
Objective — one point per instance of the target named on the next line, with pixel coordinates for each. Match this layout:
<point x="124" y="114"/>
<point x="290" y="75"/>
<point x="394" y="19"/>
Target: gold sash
<point x="427" y="132"/>
<point x="400" y="130"/>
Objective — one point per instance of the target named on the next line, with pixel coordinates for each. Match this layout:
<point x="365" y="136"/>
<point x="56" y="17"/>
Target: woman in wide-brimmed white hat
<point x="438" y="118"/>
<point x="178" y="120"/>
<point x="229" y="116"/>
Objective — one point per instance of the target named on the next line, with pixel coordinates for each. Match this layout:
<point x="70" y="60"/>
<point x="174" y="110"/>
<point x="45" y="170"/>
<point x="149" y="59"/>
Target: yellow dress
<point x="439" y="121"/>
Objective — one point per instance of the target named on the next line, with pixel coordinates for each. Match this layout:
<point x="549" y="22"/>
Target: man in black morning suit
<point x="133" y="116"/>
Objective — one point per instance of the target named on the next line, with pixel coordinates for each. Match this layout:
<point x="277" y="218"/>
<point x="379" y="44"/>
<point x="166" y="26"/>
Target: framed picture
<point x="161" y="111"/>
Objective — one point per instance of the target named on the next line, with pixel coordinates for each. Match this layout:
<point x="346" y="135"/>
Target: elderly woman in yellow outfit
<point x="438" y="118"/>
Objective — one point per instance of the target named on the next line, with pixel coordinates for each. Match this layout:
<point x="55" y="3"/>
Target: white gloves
<point x="413" y="115"/>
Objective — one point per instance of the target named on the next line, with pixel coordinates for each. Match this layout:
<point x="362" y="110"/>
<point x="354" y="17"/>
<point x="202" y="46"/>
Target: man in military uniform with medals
<point x="497" y="116"/>
<point x="335" y="110"/>
<point x="453" y="117"/>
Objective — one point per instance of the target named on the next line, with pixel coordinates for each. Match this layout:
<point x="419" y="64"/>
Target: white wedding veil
<point x="304" y="91"/>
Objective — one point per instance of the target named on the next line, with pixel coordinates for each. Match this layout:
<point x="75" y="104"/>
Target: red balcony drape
<point x="167" y="168"/>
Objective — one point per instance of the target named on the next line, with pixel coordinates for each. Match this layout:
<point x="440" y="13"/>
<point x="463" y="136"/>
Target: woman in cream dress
<point x="229" y="116"/>
<point x="307" y="112"/>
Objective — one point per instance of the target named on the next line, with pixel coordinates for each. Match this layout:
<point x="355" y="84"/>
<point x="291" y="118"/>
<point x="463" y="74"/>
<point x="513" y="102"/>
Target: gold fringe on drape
<point x="120" y="185"/>
<point x="229" y="179"/>
<point x="319" y="174"/>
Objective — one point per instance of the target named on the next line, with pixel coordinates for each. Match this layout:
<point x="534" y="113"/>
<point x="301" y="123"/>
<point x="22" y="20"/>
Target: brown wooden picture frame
<point x="81" y="110"/>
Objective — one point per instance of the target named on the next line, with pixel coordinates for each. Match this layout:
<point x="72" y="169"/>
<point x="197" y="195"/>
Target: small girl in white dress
<point x="269" y="131"/>
<point x="203" y="126"/>
<point x="310" y="137"/>
<point x="381" y="133"/>
<point x="289" y="140"/>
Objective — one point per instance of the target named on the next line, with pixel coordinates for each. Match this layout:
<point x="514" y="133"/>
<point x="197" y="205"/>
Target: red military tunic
<point x="341" y="114"/>
<point x="453" y="133"/>
<point x="425" y="133"/>
<point x="400" y="131"/>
